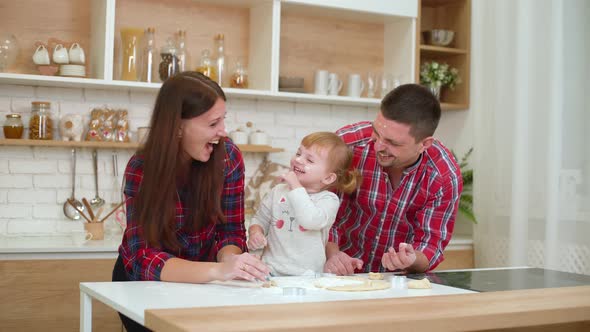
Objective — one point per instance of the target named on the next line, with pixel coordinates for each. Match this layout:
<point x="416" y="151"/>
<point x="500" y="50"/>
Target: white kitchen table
<point x="133" y="298"/>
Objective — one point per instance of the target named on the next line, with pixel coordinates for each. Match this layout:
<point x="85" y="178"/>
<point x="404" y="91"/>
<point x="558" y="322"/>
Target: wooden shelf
<point x="115" y="145"/>
<point x="258" y="148"/>
<point x="67" y="144"/>
<point x="453" y="107"/>
<point x="430" y="49"/>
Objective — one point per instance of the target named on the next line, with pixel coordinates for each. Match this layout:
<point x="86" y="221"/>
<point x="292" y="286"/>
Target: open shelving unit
<point x="452" y="15"/>
<point x="275" y="37"/>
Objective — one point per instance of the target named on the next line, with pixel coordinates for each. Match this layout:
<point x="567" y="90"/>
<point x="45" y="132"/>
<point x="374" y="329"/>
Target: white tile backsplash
<point x="35" y="181"/>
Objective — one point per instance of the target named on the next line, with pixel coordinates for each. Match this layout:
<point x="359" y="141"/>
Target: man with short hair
<point x="403" y="214"/>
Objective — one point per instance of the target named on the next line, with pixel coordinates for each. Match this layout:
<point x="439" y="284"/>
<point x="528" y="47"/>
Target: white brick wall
<point x="35" y="181"/>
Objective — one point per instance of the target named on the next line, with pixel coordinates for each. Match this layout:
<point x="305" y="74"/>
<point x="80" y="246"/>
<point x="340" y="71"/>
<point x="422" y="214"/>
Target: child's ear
<point x="329" y="179"/>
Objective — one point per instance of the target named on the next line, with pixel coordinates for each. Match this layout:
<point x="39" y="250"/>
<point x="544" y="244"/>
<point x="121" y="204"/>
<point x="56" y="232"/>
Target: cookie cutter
<point x="293" y="291"/>
<point x="399" y="282"/>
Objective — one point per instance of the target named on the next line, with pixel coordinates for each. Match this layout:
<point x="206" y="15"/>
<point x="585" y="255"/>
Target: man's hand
<point x="405" y="257"/>
<point x="342" y="264"/>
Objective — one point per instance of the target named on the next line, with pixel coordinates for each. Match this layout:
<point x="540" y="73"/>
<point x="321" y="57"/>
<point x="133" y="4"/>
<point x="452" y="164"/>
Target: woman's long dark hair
<point x="184" y="96"/>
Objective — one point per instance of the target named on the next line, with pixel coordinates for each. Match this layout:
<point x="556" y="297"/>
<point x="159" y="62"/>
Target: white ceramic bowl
<point x="438" y="37"/>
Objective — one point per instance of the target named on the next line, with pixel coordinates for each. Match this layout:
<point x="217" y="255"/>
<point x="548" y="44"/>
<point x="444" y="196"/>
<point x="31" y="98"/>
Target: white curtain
<point x="530" y="88"/>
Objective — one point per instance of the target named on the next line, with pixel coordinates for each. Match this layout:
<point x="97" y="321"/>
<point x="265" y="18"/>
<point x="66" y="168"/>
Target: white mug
<point x="76" y="54"/>
<point x="41" y="55"/>
<point x="79" y="238"/>
<point x="60" y="54"/>
<point x="334" y="84"/>
<point x="321" y="82"/>
<point x="355" y="85"/>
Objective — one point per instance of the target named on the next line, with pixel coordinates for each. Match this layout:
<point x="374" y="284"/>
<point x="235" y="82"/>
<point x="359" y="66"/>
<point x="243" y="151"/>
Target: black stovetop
<point x="488" y="280"/>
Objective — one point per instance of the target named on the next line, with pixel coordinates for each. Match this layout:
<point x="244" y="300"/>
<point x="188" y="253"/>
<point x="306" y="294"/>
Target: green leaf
<point x="467" y="210"/>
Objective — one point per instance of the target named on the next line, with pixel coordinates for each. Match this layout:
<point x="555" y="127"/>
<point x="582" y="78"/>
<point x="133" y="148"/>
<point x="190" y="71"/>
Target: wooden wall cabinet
<point x="44" y="295"/>
<point x="452" y="15"/>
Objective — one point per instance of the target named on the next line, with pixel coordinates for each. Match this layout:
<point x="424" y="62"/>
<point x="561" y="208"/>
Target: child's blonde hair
<point x="339" y="159"/>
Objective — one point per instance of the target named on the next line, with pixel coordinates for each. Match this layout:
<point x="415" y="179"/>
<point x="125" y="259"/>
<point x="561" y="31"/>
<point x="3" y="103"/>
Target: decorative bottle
<point x="149" y="56"/>
<point x="220" y="59"/>
<point x="182" y="52"/>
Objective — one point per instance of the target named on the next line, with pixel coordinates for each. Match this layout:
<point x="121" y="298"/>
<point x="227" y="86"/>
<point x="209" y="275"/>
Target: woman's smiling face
<point x="201" y="132"/>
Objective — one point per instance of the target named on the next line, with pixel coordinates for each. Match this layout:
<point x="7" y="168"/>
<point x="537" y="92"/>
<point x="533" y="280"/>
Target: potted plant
<point x="436" y="75"/>
<point x="466" y="199"/>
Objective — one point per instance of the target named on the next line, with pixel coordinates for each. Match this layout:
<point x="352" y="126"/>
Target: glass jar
<point x="206" y="66"/>
<point x="41" y="123"/>
<point x="130" y="42"/>
<point x="13" y="126"/>
<point x="239" y="78"/>
<point x="170" y="65"/>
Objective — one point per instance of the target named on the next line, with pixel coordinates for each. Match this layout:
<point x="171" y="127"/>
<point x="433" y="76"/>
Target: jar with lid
<point x="239" y="78"/>
<point x="206" y="66"/>
<point x="13" y="126"/>
<point x="41" y="123"/>
<point x="170" y="62"/>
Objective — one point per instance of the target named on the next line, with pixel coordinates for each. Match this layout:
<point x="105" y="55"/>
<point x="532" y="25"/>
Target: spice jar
<point x="239" y="78"/>
<point x="41" y="123"/>
<point x="13" y="126"/>
<point x="170" y="64"/>
<point x="206" y="66"/>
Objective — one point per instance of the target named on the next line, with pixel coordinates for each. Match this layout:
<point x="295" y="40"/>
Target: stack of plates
<point x="72" y="70"/>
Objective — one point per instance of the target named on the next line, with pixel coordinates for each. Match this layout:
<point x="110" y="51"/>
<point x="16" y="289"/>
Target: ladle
<point x="69" y="210"/>
<point x="96" y="202"/>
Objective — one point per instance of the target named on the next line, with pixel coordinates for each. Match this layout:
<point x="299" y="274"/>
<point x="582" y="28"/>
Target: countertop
<point x="73" y="246"/>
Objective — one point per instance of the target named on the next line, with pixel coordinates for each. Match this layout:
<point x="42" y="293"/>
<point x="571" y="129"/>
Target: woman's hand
<point x="243" y="266"/>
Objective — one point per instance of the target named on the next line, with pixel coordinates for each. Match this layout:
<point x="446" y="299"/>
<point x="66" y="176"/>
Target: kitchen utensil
<point x="71" y="203"/>
<point x="112" y="211"/>
<point x="96" y="202"/>
<point x="438" y="37"/>
<point x="71" y="210"/>
<point x="88" y="208"/>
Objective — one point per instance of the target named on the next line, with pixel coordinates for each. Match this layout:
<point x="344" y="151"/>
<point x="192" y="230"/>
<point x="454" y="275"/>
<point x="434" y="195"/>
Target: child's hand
<point x="256" y="241"/>
<point x="291" y="179"/>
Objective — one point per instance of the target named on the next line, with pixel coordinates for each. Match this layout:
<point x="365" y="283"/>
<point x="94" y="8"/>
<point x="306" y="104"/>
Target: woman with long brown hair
<point x="184" y="192"/>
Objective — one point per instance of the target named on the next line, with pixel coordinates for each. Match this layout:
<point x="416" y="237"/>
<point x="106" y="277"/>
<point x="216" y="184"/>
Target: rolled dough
<point x="419" y="284"/>
<point x="357" y="284"/>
